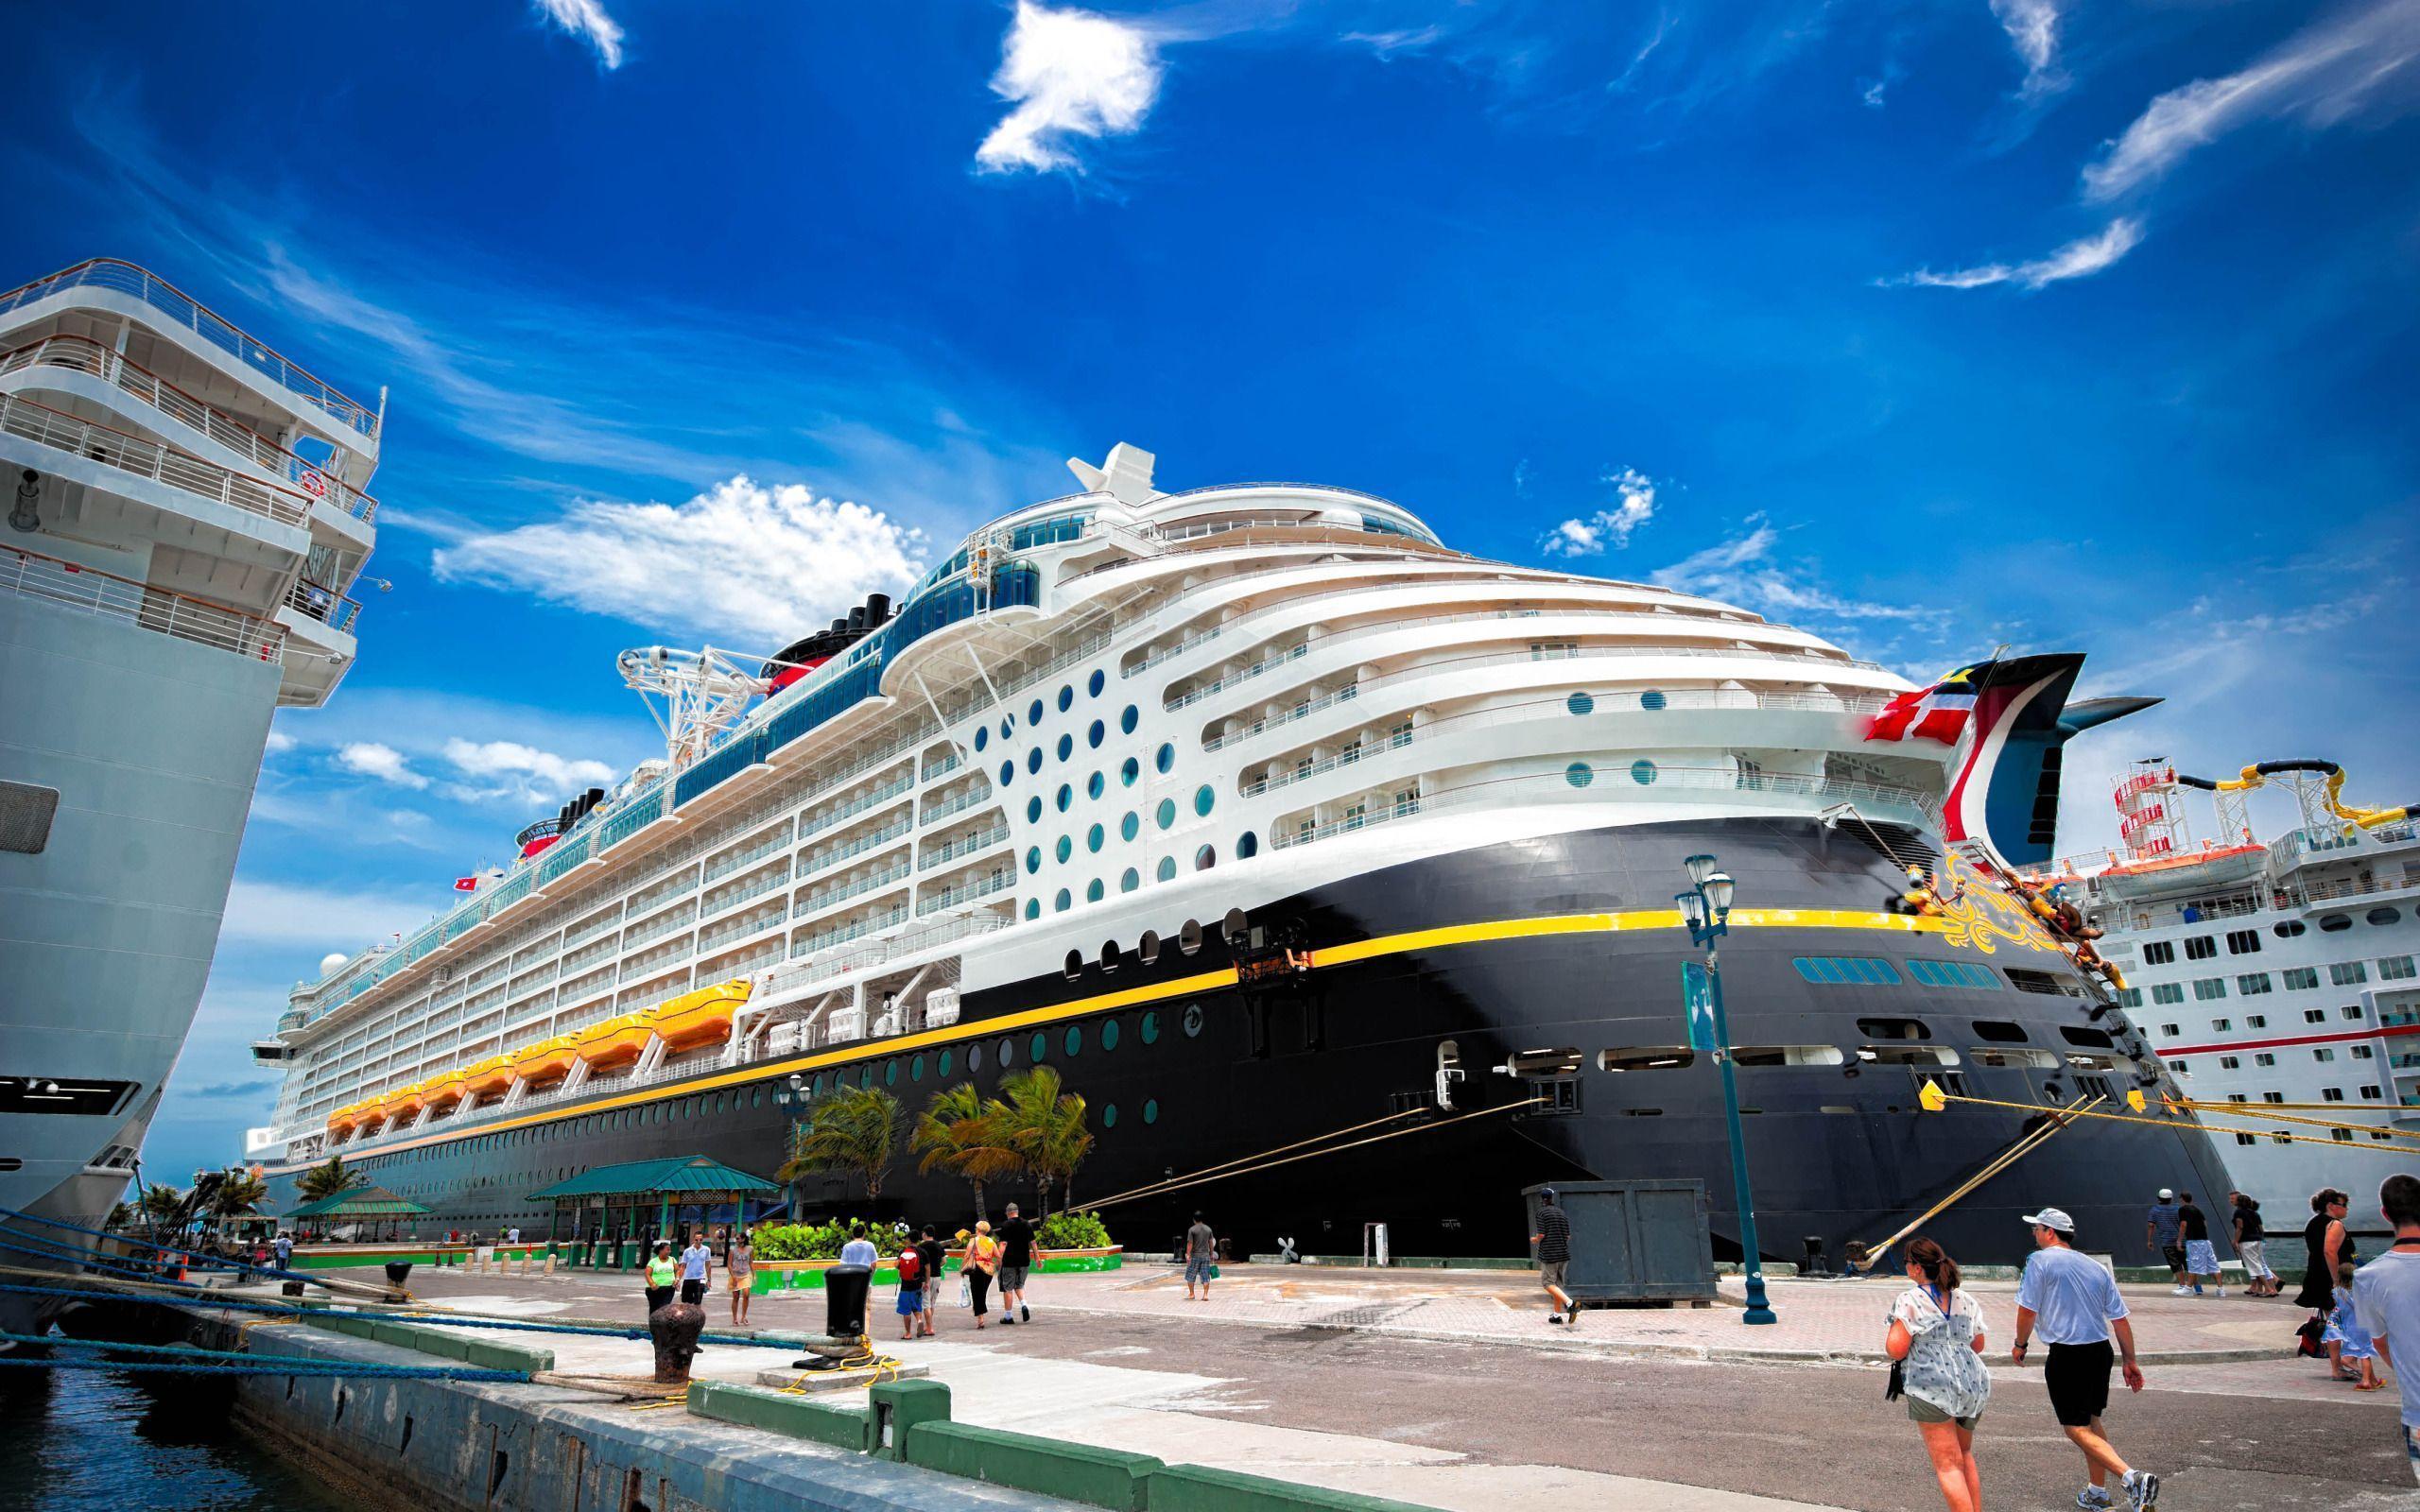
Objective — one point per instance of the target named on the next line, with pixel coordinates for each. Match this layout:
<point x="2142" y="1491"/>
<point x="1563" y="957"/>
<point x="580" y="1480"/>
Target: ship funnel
<point x="877" y="609"/>
<point x="857" y="618"/>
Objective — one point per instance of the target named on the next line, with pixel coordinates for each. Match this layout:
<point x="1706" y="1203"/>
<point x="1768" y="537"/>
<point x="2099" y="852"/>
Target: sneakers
<point x="2182" y="1291"/>
<point x="1024" y="1314"/>
<point x="1007" y="1322"/>
<point x="1554" y="1317"/>
<point x="2142" y="1489"/>
<point x="2094" y="1499"/>
<point x="2222" y="1291"/>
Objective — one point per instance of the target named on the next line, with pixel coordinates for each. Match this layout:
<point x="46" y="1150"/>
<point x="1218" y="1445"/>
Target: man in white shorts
<point x="2386" y="1300"/>
<point x="2250" y="1237"/>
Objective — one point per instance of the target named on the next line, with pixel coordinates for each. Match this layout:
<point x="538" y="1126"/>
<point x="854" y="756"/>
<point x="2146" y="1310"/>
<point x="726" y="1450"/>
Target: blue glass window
<point x="1247" y="846"/>
<point x="1836" y="970"/>
<point x="1166" y="814"/>
<point x="1131" y="881"/>
<point x="1108" y="1034"/>
<point x="1129" y="826"/>
<point x="1165" y="871"/>
<point x="1092" y="890"/>
<point x="1129" y="772"/>
<point x="1063" y="901"/>
<point x="1095" y="734"/>
<point x="1008" y="773"/>
<point x="1093" y="838"/>
<point x="1580" y="774"/>
<point x="1127" y="720"/>
<point x="1204" y="798"/>
<point x="1642" y="771"/>
<point x="1066" y="747"/>
<point x="1100" y="680"/>
<point x="1954" y="974"/>
<point x="1034" y="908"/>
<point x="1581" y="703"/>
<point x="1066" y="697"/>
<point x="1094" y="785"/>
<point x="1034" y="760"/>
<point x="1033" y="808"/>
<point x="1651" y="698"/>
<point x="1033" y="713"/>
<point x="1032" y="859"/>
<point x="1067" y="797"/>
<point x="1065" y="847"/>
<point x="982" y="736"/>
<point x="1167" y="757"/>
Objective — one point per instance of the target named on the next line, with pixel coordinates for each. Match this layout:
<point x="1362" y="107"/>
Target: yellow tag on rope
<point x="1930" y="1096"/>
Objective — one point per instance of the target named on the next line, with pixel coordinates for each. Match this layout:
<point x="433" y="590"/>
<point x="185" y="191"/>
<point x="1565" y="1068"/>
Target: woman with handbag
<point x="2326" y="1247"/>
<point x="1935" y="1342"/>
<point x="982" y="1264"/>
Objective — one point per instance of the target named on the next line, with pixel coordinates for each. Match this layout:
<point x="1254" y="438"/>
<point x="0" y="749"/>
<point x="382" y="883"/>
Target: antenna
<point x="693" y="696"/>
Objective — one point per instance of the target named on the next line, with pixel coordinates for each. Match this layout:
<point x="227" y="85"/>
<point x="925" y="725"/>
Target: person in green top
<point x="660" y="1272"/>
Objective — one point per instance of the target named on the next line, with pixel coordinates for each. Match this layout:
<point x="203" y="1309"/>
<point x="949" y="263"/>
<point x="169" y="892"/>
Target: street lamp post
<point x="791" y="1097"/>
<point x="1706" y="909"/>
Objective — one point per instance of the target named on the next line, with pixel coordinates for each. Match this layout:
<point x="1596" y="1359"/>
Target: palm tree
<point x="1046" y="1126"/>
<point x="121" y="1215"/>
<point x="851" y="1129"/>
<point x="326" y="1181"/>
<point x="238" y="1196"/>
<point x="161" y="1201"/>
<point x="959" y="1132"/>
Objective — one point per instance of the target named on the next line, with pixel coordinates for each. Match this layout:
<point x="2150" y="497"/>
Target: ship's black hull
<point x="1839" y="1153"/>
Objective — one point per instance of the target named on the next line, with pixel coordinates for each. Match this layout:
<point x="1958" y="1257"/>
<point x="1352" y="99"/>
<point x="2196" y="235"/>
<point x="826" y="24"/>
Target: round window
<point x="2331" y="923"/>
<point x="1066" y="747"/>
<point x="1034" y="908"/>
<point x="1040" y="1047"/>
<point x="1095" y="734"/>
<point x="1131" y="770"/>
<point x="1581" y="703"/>
<point x="1008" y="1053"/>
<point x="1109" y="1116"/>
<point x="1166" y="813"/>
<point x="1032" y="859"/>
<point x="916" y="1068"/>
<point x="1204" y="798"/>
<point x="1580" y="774"/>
<point x="1165" y="871"/>
<point x="1065" y="847"/>
<point x="1150" y="1111"/>
<point x="1094" y="837"/>
<point x="1129" y="881"/>
<point x="1074" y="1040"/>
<point x="1642" y="771"/>
<point x="2383" y="915"/>
<point x="2291" y="928"/>
<point x="974" y="1058"/>
<point x="1067" y="797"/>
<point x="1193" y="1021"/>
<point x="1098" y="681"/>
<point x="1205" y="858"/>
<point x="943" y="1067"/>
<point x="1652" y="698"/>
<point x="1108" y="1034"/>
<point x="1126" y="721"/>
<point x="1063" y="901"/>
<point x="982" y="736"/>
<point x="890" y="1073"/>
<point x="1094" y="785"/>
<point x="1033" y="712"/>
<point x="1066" y="697"/>
<point x="1167" y="757"/>
<point x="1131" y="825"/>
<point x="1034" y="760"/>
<point x="1151" y="1027"/>
<point x="1247" y="846"/>
<point x="1008" y="773"/>
<point x="1033" y="808"/>
<point x="865" y="1077"/>
<point x="1093" y="891"/>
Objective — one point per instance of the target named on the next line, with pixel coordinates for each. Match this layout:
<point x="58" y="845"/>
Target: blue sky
<point x="1927" y="326"/>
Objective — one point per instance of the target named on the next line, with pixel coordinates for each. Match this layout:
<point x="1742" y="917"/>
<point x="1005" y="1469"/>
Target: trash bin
<point x="844" y="1300"/>
<point x="397" y="1270"/>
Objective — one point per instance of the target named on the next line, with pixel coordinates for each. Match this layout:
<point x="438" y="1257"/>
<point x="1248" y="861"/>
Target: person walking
<point x="739" y="1276"/>
<point x="936" y="1259"/>
<point x="2352" y="1355"/>
<point x="1016" y="1258"/>
<point x="1554" y="1244"/>
<point x="2163" y="1227"/>
<point x="1200" y="1260"/>
<point x="1936" y="1333"/>
<point x="2073" y="1300"/>
<point x="912" y="1283"/>
<point x="2201" y="1256"/>
<point x="697" y="1262"/>
<point x="661" y="1274"/>
<point x="2326" y="1247"/>
<point x="2386" y="1298"/>
<point x="982" y="1262"/>
<point x="283" y="1249"/>
<point x="859" y="1250"/>
<point x="2251" y="1245"/>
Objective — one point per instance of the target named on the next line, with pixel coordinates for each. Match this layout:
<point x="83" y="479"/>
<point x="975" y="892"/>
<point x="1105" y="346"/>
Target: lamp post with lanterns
<point x="1706" y="909"/>
<point x="792" y="1097"/>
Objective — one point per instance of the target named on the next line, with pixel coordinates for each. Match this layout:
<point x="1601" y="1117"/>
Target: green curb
<point x="1198" y="1489"/>
<point x="894" y="1409"/>
<point x="1074" y="1472"/>
<point x="780" y="1413"/>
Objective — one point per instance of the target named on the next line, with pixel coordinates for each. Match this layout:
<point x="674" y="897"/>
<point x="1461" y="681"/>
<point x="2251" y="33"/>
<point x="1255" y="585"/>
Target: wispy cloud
<point x="2032" y="27"/>
<point x="372" y="757"/>
<point x="270" y="913"/>
<point x="740" y="561"/>
<point x="280" y="743"/>
<point x="2360" y="61"/>
<point x="2080" y="258"/>
<point x="508" y="770"/>
<point x="230" y="1089"/>
<point x="1072" y="73"/>
<point x="1743" y="570"/>
<point x="586" y="20"/>
<point x="1608" y="529"/>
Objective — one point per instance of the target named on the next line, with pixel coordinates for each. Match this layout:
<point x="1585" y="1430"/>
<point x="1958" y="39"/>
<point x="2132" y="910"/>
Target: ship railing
<point x="723" y="865"/>
<point x="1314" y="533"/>
<point x="961" y="848"/>
<point x="110" y="596"/>
<point x="1560" y="707"/>
<point x="811" y="866"/>
<point x="128" y="452"/>
<point x="329" y="607"/>
<point x="981" y="794"/>
<point x="842" y="934"/>
<point x="1578" y="784"/>
<point x="711" y="904"/>
<point x="792" y="980"/>
<point x="2331" y="888"/>
<point x="85" y="356"/>
<point x="965" y="892"/>
<point x="679" y="917"/>
<point x="157" y="292"/>
<point x="817" y="903"/>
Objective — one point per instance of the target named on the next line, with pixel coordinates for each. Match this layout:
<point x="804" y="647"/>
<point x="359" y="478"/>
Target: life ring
<point x="313" y="483"/>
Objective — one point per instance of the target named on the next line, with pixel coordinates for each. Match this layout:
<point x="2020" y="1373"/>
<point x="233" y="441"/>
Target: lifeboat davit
<point x="700" y="1018"/>
<point x="612" y="1044"/>
<point x="444" y="1090"/>
<point x="491" y="1077"/>
<point x="544" y="1063"/>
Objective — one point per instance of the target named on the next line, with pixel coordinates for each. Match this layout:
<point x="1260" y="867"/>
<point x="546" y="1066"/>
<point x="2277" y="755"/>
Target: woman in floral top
<point x="1937" y="1335"/>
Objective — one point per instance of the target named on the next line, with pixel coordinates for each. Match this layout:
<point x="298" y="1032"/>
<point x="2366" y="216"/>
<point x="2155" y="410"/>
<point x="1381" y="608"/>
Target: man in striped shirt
<point x="1553" y="1242"/>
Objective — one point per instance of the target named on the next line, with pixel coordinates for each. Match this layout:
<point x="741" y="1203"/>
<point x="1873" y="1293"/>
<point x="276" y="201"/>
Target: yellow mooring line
<point x="1933" y="1100"/>
<point x="2270" y="1111"/>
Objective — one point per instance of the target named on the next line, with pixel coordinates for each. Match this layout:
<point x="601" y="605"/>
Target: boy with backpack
<point x="911" y="1290"/>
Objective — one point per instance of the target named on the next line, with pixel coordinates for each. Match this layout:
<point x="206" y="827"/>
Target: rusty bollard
<point x="675" y="1326"/>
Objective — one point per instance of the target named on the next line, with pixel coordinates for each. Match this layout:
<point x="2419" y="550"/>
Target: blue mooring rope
<point x="391" y="1372"/>
<point x="192" y="1257"/>
<point x="448" y="1320"/>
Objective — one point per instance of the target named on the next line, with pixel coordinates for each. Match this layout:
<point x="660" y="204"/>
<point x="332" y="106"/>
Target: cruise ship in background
<point x="185" y="519"/>
<point x="1270" y="820"/>
<point x="2275" y="976"/>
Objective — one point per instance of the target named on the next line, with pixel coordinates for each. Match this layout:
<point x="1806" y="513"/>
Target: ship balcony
<point x="160" y="478"/>
<point x="107" y="596"/>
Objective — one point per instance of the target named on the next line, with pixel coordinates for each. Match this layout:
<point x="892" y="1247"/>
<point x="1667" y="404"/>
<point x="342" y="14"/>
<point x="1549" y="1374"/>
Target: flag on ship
<point x="1938" y="713"/>
<point x="469" y="884"/>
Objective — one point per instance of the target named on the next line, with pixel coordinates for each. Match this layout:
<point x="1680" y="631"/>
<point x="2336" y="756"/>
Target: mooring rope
<point x="1217" y="1174"/>
<point x="465" y="1320"/>
<point x="321" y="1369"/>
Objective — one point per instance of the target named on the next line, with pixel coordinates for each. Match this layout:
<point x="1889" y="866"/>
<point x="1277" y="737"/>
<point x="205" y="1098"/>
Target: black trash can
<point x="397" y="1270"/>
<point x="844" y="1300"/>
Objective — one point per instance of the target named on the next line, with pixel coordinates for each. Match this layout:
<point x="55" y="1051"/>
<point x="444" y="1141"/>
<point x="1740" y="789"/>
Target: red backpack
<point x="912" y="1266"/>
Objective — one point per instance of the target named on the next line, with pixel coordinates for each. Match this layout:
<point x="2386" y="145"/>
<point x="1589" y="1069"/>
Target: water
<point x="98" y="1440"/>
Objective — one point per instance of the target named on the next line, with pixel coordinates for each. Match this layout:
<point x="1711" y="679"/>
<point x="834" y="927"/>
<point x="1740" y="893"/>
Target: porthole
<point x="982" y="736"/>
<point x="1652" y="698"/>
<point x="974" y="1058"/>
<point x="1067" y="798"/>
<point x="1129" y="826"/>
<point x="1008" y="773"/>
<point x="1032" y="859"/>
<point x="865" y="1077"/>
<point x="1008" y="1053"/>
<point x="1066" y="747"/>
<point x="942" y="1067"/>
<point x="1150" y="1111"/>
<point x="1581" y="703"/>
<point x="1188" y="940"/>
<point x="1034" y="908"/>
<point x="890" y="1073"/>
<point x="1066" y="697"/>
<point x="1034" y="760"/>
<point x="1033" y="712"/>
<point x="1166" y="760"/>
<point x="1092" y="890"/>
<point x="1236" y="924"/>
<point x="1095" y="734"/>
<point x="1065" y="847"/>
<point x="1193" y="1021"/>
<point x="1007" y="727"/>
<point x="1109" y="956"/>
<point x="1129" y="771"/>
<point x="1151" y="1027"/>
<point x="1033" y="808"/>
<point x="1204" y="799"/>
<point x="1109" y="1116"/>
<point x="1039" y="1048"/>
<point x="1108" y="1034"/>
<point x="1074" y="964"/>
<point x="1098" y="681"/>
<point x="1096" y="785"/>
<point x="1205" y="858"/>
<point x="1129" y="879"/>
<point x="1247" y="846"/>
<point x="2291" y="928"/>
<point x="1095" y="839"/>
<point x="1166" y="813"/>
<point x="1166" y="870"/>
<point x="1580" y="774"/>
<point x="916" y="1068"/>
<point x="2333" y="923"/>
<point x="1126" y="721"/>
<point x="1642" y="771"/>
<point x="1063" y="901"/>
<point x="1147" y="949"/>
<point x="1075" y="1039"/>
<point x="2383" y="915"/>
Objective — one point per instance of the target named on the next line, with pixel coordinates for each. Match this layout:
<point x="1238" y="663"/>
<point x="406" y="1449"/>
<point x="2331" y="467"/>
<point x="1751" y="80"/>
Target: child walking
<point x="2351" y="1353"/>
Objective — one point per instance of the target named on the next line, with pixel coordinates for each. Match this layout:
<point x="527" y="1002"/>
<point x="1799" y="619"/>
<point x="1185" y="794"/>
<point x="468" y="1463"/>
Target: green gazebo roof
<point x="680" y="1174"/>
<point x="360" y="1202"/>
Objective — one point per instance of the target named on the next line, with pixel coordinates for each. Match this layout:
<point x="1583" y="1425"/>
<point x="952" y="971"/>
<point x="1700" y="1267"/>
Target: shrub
<point x="1072" y="1231"/>
<point x="821" y="1241"/>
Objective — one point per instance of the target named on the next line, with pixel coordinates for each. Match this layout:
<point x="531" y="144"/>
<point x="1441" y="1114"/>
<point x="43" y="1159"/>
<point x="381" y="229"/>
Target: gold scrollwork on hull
<point x="1978" y="911"/>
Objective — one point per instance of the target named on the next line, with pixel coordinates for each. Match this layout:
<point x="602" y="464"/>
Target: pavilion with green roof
<point x="356" y="1205"/>
<point x="625" y="1197"/>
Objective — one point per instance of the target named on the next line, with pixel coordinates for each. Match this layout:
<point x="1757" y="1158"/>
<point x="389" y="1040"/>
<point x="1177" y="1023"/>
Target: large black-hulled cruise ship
<point x="1273" y="824"/>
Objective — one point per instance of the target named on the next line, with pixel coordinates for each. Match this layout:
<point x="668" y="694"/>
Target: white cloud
<point x="1604" y="530"/>
<point x="2032" y="27"/>
<point x="1873" y="92"/>
<point x="2356" y="61"/>
<point x="1742" y="571"/>
<point x="270" y="913"/>
<point x="508" y="770"/>
<point x="740" y="560"/>
<point x="586" y="20"/>
<point x="2080" y="258"/>
<point x="1072" y="73"/>
<point x="280" y="743"/>
<point x="372" y="759"/>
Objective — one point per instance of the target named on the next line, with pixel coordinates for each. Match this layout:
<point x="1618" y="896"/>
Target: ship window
<point x="1033" y="808"/>
<point x="1906" y="1054"/>
<point x="1247" y="846"/>
<point x="1067" y="797"/>
<point x="2383" y="915"/>
<point x="1129" y="826"/>
<point x="1066" y="697"/>
<point x="2334" y="923"/>
<point x="1041" y="1046"/>
<point x="1150" y="1110"/>
<point x="1205" y="858"/>
<point x="1166" y="759"/>
<point x="1126" y="720"/>
<point x="2199" y="947"/>
<point x="1893" y="1029"/>
<point x="2243" y="941"/>
<point x="1032" y="859"/>
<point x="1147" y="949"/>
<point x="982" y="737"/>
<point x="1109" y="956"/>
<point x="1646" y="1058"/>
<point x="2291" y="928"/>
<point x="1580" y="774"/>
<point x="2001" y="1031"/>
<point x="1095" y="734"/>
<point x="890" y="1073"/>
<point x="1097" y="681"/>
<point x="1166" y="813"/>
<point x="1075" y="967"/>
<point x="1066" y="747"/>
<point x="1108" y="1034"/>
<point x="1652" y="698"/>
<point x="1834" y="970"/>
<point x="1094" y="785"/>
<point x="1007" y="726"/>
<point x="1581" y="703"/>
<point x="1094" y="837"/>
<point x="1008" y="1053"/>
<point x="1642" y="771"/>
<point x="1034" y="760"/>
<point x="1034" y="908"/>
<point x="2092" y="1038"/>
<point x="2043" y="983"/>
<point x="1129" y="879"/>
<point x="1065" y="847"/>
<point x="942" y="1068"/>
<point x="1074" y="1040"/>
<point x="1063" y="901"/>
<point x="1787" y="1055"/>
<point x="1203" y="800"/>
<point x="974" y="1058"/>
<point x="1129" y="771"/>
<point x="1192" y="1021"/>
<point x="1151" y="1027"/>
<point x="1165" y="871"/>
<point x="1092" y="890"/>
<point x="1953" y="973"/>
<point x="1008" y="773"/>
<point x="1033" y="712"/>
<point x="1188" y="940"/>
<point x="1235" y="927"/>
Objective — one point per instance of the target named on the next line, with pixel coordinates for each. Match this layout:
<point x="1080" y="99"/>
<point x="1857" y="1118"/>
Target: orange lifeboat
<point x="491" y="1077"/>
<point x="700" y="1018"/>
<point x="403" y="1104"/>
<point x="613" y="1044"/>
<point x="544" y="1063"/>
<point x="444" y="1090"/>
<point x="342" y="1120"/>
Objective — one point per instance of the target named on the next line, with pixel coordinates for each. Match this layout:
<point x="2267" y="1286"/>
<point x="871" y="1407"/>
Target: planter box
<point x="807" y="1275"/>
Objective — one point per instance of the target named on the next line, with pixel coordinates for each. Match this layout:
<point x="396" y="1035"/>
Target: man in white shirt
<point x="2073" y="1300"/>
<point x="859" y="1250"/>
<point x="695" y="1261"/>
<point x="2386" y="1301"/>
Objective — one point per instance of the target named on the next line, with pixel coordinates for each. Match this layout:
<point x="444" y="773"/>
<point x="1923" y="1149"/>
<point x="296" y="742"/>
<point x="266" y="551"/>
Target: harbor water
<point x="134" y="1443"/>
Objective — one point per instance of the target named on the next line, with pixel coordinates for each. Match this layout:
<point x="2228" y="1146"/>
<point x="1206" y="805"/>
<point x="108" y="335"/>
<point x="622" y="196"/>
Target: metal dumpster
<point x="1644" y="1241"/>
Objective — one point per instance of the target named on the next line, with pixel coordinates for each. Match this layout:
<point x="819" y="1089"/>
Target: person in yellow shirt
<point x="982" y="1264"/>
